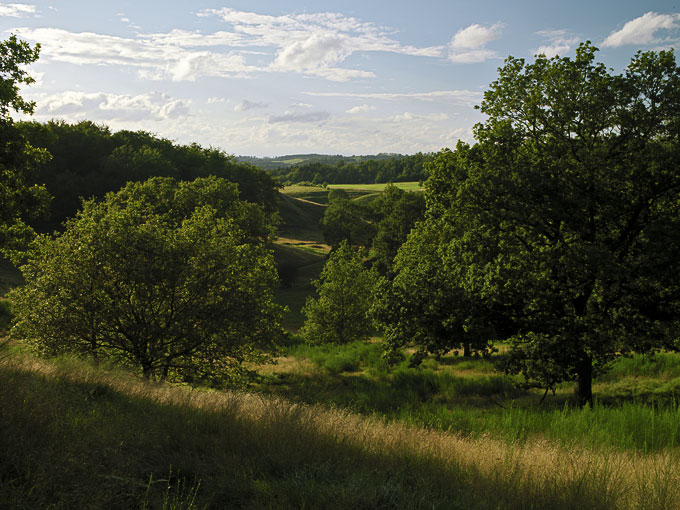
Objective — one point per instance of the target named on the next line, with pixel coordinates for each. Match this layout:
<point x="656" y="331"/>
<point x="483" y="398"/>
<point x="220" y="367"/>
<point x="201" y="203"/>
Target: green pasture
<point x="406" y="186"/>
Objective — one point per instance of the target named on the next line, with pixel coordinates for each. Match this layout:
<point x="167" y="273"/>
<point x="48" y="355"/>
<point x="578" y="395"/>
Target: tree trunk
<point x="147" y="371"/>
<point x="583" y="390"/>
<point x="467" y="349"/>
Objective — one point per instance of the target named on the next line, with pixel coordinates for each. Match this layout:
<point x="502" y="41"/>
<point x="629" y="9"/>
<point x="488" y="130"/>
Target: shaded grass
<point x="467" y="396"/>
<point x="78" y="436"/>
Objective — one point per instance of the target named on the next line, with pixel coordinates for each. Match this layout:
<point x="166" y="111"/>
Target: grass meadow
<point x="406" y="186"/>
<point x="76" y="435"/>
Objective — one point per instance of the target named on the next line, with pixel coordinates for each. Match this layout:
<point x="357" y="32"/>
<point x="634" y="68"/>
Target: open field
<point x="407" y="186"/>
<point x="83" y="436"/>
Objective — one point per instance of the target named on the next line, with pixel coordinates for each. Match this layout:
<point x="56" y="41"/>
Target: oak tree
<point x="563" y="220"/>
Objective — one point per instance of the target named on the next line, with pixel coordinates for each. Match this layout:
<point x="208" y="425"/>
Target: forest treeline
<point x="88" y="160"/>
<point x="379" y="170"/>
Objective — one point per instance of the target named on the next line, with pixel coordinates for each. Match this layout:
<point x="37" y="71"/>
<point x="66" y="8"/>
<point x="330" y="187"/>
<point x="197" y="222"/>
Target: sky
<point x="269" y="78"/>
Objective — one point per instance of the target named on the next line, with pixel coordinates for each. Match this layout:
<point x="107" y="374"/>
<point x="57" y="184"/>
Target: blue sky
<point x="267" y="78"/>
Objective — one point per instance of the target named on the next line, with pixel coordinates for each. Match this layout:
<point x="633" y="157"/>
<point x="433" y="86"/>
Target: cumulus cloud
<point x="643" y="30"/>
<point x="314" y="44"/>
<point x="152" y="60"/>
<point x="364" y="108"/>
<point x="246" y="105"/>
<point x="560" y="42"/>
<point x="17" y="10"/>
<point x="468" y="44"/>
<point x="300" y="117"/>
<point x="99" y="106"/>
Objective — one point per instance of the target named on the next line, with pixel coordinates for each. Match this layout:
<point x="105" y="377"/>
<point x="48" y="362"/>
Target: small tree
<point x="340" y="314"/>
<point x="395" y="213"/>
<point x="169" y="277"/>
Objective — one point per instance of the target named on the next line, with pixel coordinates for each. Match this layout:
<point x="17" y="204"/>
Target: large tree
<point x="563" y="221"/>
<point x="20" y="197"/>
<point x="171" y="277"/>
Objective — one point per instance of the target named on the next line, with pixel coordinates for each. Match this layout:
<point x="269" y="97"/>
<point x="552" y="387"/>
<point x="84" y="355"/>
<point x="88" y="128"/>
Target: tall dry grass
<point x="309" y="455"/>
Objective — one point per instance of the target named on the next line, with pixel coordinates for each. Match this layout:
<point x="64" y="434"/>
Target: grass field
<point x="83" y="436"/>
<point x="407" y="186"/>
<point x="638" y="407"/>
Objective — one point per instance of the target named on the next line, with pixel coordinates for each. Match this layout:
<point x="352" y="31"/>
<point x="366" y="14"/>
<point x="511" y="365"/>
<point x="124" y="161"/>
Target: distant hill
<point x="301" y="159"/>
<point x="337" y="169"/>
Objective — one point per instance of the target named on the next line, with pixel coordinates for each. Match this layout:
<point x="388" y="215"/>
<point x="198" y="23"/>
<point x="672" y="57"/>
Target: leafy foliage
<point x="346" y="220"/>
<point x="20" y="197"/>
<point x="340" y="314"/>
<point x="395" y="213"/>
<point x="90" y="161"/>
<point x="168" y="276"/>
<point x="562" y="222"/>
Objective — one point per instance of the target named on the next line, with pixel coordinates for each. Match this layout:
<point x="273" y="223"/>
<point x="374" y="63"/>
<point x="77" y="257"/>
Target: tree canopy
<point x="167" y="276"/>
<point x="88" y="160"/>
<point x="561" y="223"/>
<point x="340" y="313"/>
<point x="20" y="198"/>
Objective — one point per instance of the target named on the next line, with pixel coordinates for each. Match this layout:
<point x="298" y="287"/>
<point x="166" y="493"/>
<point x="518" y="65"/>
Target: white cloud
<point x="408" y="116"/>
<point x="100" y="106"/>
<point x="315" y="44"/>
<point x="472" y="56"/>
<point x="246" y="105"/>
<point x="468" y="44"/>
<point x="17" y="10"/>
<point x="152" y="60"/>
<point x="364" y="108"/>
<point x="300" y="117"/>
<point x="464" y="97"/>
<point x="475" y="36"/>
<point x="643" y="30"/>
<point x="560" y="42"/>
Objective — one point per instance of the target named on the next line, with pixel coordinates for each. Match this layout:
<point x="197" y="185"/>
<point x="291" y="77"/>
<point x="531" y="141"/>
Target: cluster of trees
<point x="87" y="160"/>
<point x="558" y="232"/>
<point x="392" y="169"/>
<point x="381" y="225"/>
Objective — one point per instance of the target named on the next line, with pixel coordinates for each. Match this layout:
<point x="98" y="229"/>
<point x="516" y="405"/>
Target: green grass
<point x="407" y="186"/>
<point x="468" y="397"/>
<point x="81" y="436"/>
